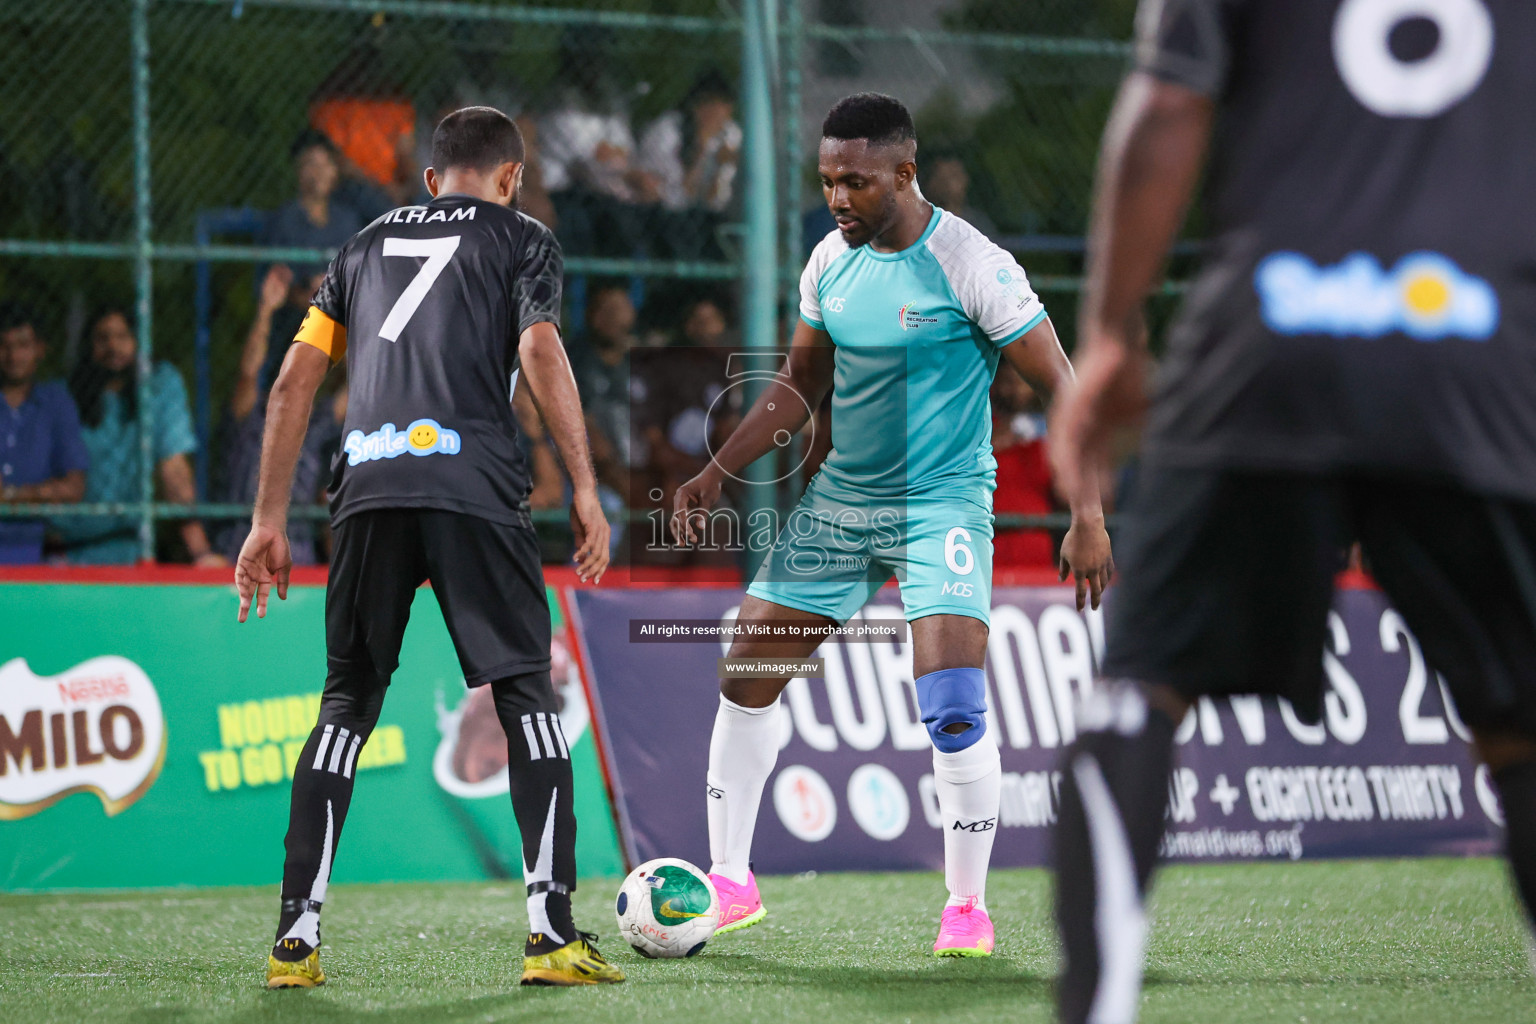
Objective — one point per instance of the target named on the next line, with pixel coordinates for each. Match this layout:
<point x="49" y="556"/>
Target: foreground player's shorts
<point x="831" y="556"/>
<point x="1225" y="579"/>
<point x="486" y="576"/>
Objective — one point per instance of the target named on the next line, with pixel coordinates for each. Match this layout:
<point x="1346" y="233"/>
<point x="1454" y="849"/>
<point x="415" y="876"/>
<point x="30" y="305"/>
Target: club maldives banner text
<point x="1385" y="773"/>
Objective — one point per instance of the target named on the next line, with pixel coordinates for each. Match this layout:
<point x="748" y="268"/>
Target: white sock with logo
<point x="969" y="785"/>
<point x="742" y="752"/>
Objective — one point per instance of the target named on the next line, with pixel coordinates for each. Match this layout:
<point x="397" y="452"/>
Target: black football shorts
<point x="487" y="579"/>
<point x="1226" y="578"/>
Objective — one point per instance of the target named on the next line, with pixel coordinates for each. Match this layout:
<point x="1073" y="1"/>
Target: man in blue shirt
<point x="42" y="457"/>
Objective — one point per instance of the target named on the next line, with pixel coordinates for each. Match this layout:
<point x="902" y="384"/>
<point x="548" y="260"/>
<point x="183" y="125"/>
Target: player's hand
<point x="590" y="527"/>
<point x="1086" y="556"/>
<point x="691" y="502"/>
<point x="264" y="562"/>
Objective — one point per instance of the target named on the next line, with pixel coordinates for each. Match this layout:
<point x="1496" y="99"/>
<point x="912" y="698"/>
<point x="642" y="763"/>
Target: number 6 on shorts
<point x="956" y="554"/>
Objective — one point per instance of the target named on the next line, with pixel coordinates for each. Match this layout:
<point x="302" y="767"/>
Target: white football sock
<point x="969" y="786"/>
<point x="742" y="752"/>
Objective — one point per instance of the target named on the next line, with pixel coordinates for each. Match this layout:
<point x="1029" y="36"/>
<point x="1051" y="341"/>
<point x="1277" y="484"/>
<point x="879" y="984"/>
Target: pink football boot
<point x="741" y="906"/>
<point x="965" y="930"/>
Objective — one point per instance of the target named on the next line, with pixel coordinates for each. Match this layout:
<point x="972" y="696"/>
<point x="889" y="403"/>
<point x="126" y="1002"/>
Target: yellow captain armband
<point x="323" y="333"/>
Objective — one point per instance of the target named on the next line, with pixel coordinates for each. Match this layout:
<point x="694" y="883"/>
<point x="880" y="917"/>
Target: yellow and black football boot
<point x="286" y="972"/>
<point x="575" y="963"/>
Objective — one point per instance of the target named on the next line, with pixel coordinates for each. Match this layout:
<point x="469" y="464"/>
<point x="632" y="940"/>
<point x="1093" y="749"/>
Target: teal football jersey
<point x="918" y="334"/>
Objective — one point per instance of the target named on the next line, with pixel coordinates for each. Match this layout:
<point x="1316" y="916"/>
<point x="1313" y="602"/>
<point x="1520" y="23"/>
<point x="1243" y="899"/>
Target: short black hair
<point x="880" y="119"/>
<point x="309" y="138"/>
<point x="477" y="138"/>
<point x="711" y="85"/>
<point x="14" y="315"/>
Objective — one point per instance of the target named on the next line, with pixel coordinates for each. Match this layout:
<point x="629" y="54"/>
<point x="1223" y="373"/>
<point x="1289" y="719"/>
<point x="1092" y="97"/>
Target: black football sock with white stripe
<point x="322" y="791"/>
<point x="539" y="773"/>
<point x="1114" y="793"/>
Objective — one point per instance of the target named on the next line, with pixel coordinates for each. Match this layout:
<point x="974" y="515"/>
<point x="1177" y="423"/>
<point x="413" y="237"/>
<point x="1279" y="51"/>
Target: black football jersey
<point x="434" y="299"/>
<point x="1368" y="301"/>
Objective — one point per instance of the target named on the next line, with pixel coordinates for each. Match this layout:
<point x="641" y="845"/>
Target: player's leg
<point x="942" y="555"/>
<point x="375" y="570"/>
<point x="489" y="582"/>
<point x="743" y="749"/>
<point x="1225" y="584"/>
<point x="1461" y="569"/>
<point x="815" y="576"/>
<point x="949" y="652"/>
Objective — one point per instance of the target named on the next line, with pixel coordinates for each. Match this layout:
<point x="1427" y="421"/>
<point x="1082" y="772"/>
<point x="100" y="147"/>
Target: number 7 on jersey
<point x="438" y="252"/>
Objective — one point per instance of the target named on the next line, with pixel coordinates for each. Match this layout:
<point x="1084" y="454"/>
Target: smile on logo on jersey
<point x="1425" y="296"/>
<point x="422" y="437"/>
<point x="911" y="317"/>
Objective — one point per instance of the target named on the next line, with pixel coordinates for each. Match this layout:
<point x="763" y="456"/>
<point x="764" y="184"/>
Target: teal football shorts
<point x="831" y="556"/>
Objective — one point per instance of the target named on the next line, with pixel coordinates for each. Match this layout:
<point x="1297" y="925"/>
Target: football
<point x="667" y="908"/>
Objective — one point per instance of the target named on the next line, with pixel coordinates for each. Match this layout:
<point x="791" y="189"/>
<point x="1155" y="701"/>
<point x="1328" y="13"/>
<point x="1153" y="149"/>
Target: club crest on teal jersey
<point x="911" y="317"/>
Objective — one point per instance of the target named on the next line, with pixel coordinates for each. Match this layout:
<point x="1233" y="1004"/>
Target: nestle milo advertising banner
<point x="1385" y="773"/>
<point x="147" y="739"/>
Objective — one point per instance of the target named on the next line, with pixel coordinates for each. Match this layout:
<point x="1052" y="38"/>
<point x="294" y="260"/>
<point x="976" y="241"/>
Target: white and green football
<point x="667" y="908"/>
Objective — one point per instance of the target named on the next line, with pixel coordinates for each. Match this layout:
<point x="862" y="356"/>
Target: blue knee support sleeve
<point x="953" y="696"/>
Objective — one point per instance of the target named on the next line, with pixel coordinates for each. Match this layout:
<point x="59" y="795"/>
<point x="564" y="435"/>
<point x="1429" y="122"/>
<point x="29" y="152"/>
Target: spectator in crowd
<point x="706" y="324"/>
<point x="682" y="407"/>
<point x="533" y="195"/>
<point x="693" y="154"/>
<point x="315" y="219"/>
<point x="265" y="345"/>
<point x="589" y="166"/>
<point x="945" y="183"/>
<point x="600" y="362"/>
<point x="42" y="457"/>
<point x="369" y="116"/>
<point x="548" y="490"/>
<point x="106" y="390"/>
<point x="1023" y="471"/>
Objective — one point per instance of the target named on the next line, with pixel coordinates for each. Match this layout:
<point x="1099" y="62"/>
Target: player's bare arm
<point x="776" y="409"/>
<point x="1154" y="146"/>
<point x="1085" y="550"/>
<point x="548" y="372"/>
<point x="264" y="560"/>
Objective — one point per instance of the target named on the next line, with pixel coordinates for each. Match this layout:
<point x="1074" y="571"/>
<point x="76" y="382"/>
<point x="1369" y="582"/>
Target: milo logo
<point x="95" y="728"/>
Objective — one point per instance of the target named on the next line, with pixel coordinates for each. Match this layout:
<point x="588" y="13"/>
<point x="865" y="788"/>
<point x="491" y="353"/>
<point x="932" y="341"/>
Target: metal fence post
<point x="760" y="277"/>
<point x="790" y="56"/>
<point x="143" y="274"/>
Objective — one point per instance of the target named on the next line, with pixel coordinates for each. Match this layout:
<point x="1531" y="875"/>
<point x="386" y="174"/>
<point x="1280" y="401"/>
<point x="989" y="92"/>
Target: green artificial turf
<point x="1402" y="941"/>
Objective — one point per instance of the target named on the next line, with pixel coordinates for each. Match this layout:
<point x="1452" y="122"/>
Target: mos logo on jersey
<point x="911" y="317"/>
<point x="422" y="437"/>
<point x="1425" y="296"/>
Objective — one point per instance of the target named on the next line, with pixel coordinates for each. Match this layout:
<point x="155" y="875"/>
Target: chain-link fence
<point x="175" y="173"/>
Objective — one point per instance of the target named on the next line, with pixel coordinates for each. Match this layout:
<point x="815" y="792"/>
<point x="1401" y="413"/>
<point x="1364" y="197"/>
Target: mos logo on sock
<point x="95" y="728"/>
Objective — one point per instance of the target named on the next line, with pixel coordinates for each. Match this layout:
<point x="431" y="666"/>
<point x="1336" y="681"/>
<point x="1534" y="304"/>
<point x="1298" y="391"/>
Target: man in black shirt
<point x="435" y="308"/>
<point x="1355" y="361"/>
